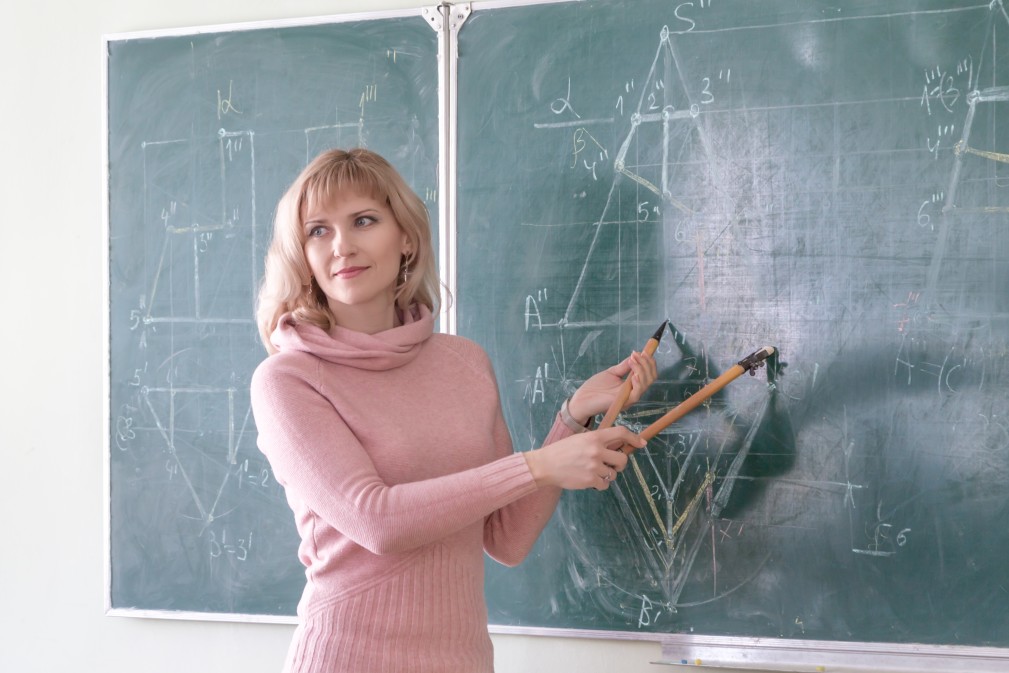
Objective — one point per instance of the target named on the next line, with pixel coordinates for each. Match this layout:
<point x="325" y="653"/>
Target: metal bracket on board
<point x="456" y="15"/>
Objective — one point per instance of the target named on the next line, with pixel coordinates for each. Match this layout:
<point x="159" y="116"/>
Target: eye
<point x="365" y="220"/>
<point x="316" y="230"/>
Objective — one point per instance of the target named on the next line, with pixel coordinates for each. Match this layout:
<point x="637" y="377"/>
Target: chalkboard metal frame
<point x="447" y="19"/>
<point x="823" y="655"/>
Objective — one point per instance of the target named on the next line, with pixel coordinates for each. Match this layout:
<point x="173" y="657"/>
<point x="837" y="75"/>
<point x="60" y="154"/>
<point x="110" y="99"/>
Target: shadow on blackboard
<point x="766" y="450"/>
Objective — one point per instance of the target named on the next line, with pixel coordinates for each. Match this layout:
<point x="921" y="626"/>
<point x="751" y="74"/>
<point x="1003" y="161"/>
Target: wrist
<point x="535" y="466"/>
<point x="577" y="411"/>
<point x="575" y="421"/>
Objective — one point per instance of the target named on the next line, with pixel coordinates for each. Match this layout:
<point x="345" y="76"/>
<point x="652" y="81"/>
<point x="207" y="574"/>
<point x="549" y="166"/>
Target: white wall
<point x="51" y="574"/>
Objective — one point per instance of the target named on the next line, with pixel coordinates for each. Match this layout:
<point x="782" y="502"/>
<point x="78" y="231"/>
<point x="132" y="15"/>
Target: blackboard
<point x="813" y="176"/>
<point x="205" y="132"/>
<point x="827" y="178"/>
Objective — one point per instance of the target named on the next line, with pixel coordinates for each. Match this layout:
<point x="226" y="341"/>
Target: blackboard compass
<point x="750" y="363"/>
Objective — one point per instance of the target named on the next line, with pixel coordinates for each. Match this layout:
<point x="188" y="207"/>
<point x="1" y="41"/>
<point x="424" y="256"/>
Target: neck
<point x="366" y="319"/>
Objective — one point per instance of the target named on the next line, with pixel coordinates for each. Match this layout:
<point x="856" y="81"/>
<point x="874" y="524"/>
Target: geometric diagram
<point x="218" y="242"/>
<point x="976" y="95"/>
<point x="664" y="102"/>
<point x="674" y="493"/>
<point x="221" y="245"/>
<point x="672" y="496"/>
<point x="692" y="485"/>
<point x="667" y="115"/>
<point x="980" y="143"/>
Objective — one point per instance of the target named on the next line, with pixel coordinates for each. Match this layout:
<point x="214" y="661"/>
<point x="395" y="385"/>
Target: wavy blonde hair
<point x="287" y="286"/>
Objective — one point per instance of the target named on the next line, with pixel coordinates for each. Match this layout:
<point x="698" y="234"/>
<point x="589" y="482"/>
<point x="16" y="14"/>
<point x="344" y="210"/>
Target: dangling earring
<point x="310" y="286"/>
<point x="404" y="272"/>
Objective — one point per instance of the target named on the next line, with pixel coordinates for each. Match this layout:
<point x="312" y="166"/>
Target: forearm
<point x="511" y="532"/>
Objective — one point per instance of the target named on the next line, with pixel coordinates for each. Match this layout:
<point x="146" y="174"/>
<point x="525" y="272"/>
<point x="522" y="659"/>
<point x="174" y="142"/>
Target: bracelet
<point x="569" y="420"/>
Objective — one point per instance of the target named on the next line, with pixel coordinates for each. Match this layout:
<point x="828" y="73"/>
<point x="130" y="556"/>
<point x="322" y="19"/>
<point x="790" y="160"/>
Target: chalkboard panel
<point x="205" y="132"/>
<point x="827" y="178"/>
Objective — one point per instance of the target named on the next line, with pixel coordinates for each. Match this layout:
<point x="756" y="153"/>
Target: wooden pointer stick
<point x="686" y="406"/>
<point x="625" y="389"/>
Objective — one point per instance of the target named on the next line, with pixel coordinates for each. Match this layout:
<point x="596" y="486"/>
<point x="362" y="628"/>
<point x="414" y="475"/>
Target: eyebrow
<point x="315" y="219"/>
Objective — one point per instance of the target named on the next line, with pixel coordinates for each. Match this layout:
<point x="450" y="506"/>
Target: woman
<point x="389" y="439"/>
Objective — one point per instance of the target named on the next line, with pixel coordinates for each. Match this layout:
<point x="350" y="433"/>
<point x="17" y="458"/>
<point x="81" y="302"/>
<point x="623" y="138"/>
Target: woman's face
<point x="354" y="247"/>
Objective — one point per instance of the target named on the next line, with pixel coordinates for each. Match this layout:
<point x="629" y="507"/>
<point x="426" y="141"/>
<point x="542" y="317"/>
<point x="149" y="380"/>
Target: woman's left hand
<point x="597" y="393"/>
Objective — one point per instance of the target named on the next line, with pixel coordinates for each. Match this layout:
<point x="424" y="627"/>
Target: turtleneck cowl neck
<point x="381" y="351"/>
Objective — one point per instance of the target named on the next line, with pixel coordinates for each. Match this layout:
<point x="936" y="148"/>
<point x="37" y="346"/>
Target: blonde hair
<point x="287" y="286"/>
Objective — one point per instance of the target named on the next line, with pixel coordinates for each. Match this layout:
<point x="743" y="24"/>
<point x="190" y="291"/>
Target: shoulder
<point x="461" y="347"/>
<point x="284" y="370"/>
<point x="463" y="350"/>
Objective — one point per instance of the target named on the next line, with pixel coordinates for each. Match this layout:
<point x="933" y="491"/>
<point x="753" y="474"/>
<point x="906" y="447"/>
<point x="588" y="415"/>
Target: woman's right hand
<point x="585" y="460"/>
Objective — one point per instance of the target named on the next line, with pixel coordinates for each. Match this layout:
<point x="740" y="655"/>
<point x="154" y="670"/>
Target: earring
<point x="404" y="272"/>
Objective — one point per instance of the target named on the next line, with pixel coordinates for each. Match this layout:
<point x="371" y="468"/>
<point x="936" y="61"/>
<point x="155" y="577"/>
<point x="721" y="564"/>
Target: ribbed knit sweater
<point x="399" y="469"/>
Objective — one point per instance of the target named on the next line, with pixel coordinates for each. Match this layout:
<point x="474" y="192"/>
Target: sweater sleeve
<point x="511" y="531"/>
<point x="318" y="459"/>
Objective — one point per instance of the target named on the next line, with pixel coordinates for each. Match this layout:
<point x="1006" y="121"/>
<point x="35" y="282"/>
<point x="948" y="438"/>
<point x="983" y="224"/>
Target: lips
<point x="350" y="272"/>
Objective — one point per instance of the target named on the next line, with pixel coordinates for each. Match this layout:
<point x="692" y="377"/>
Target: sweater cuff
<point x="508" y="477"/>
<point x="558" y="432"/>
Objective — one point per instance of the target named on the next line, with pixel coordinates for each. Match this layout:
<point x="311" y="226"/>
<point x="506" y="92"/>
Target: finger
<point x="616" y="460"/>
<point x="639" y="385"/>
<point x="649" y="370"/>
<point x="617" y="436"/>
<point x="643" y="374"/>
<point x="621" y="440"/>
<point x="652" y="368"/>
<point x="622" y="368"/>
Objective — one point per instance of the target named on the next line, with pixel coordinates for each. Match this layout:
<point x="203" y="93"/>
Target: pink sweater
<point x="399" y="469"/>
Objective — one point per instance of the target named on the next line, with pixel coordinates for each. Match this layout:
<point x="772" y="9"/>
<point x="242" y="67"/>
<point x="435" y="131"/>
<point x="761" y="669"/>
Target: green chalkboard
<point x="827" y="178"/>
<point x="205" y="132"/>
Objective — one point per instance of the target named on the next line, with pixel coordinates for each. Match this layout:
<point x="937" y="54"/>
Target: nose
<point x="343" y="243"/>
